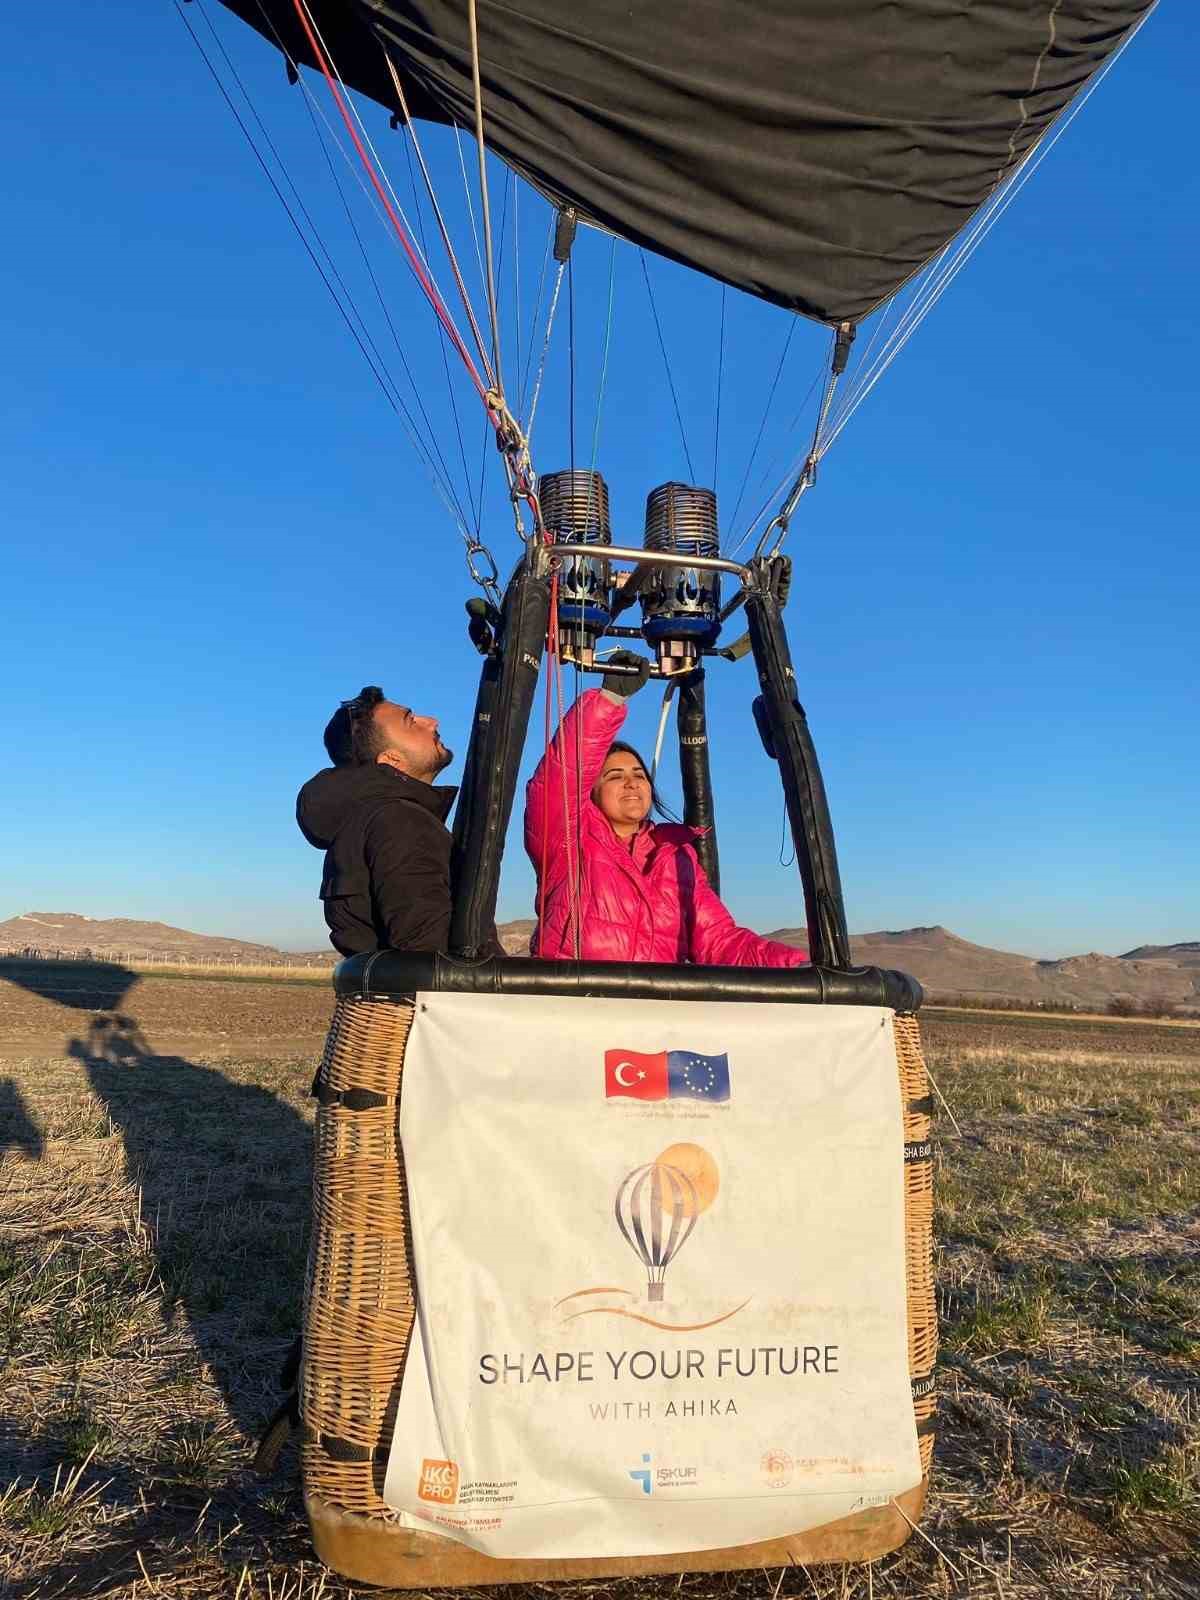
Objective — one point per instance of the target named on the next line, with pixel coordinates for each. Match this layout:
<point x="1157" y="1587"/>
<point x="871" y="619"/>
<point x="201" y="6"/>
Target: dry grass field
<point x="154" y="1166"/>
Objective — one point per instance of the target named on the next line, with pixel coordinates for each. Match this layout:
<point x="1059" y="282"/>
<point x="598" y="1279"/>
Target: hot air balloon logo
<point x="657" y="1207"/>
<point x="658" y="1204"/>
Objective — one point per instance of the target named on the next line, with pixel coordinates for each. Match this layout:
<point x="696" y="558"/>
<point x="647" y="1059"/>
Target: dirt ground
<point x="155" y="1138"/>
<point x="41" y="1005"/>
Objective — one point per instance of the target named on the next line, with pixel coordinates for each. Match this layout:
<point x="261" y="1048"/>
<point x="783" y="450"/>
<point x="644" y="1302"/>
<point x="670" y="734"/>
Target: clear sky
<point x="214" y="527"/>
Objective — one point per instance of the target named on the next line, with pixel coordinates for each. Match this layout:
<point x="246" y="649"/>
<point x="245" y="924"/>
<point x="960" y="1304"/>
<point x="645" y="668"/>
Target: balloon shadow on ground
<point x="224" y="1170"/>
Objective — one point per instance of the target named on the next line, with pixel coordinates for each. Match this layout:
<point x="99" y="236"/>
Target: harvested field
<point x="154" y="1167"/>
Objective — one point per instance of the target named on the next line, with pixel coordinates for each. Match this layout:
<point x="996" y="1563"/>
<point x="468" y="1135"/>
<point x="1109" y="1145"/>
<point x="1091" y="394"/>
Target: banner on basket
<point x="659" y="1251"/>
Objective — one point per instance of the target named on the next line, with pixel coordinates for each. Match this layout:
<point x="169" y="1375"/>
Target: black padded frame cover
<point x="400" y="974"/>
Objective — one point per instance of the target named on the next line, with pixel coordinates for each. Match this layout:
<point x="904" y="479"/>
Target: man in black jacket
<point x="381" y="821"/>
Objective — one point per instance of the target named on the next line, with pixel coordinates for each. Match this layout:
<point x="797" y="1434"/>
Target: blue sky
<point x="216" y="529"/>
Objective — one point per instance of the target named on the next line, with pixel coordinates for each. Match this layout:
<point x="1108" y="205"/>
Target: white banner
<point x="660" y="1260"/>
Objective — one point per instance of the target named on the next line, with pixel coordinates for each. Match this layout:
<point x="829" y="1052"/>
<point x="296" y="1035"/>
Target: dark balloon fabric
<point x="813" y="152"/>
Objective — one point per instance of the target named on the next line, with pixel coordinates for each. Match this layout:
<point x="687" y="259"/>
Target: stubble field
<point x="154" y="1170"/>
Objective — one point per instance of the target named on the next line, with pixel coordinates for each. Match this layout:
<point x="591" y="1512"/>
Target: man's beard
<point x="442" y="759"/>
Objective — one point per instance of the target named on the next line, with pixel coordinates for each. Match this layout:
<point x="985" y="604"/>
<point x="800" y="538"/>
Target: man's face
<point x="413" y="744"/>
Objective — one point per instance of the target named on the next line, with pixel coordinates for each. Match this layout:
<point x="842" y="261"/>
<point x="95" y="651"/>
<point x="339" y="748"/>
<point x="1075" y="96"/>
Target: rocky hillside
<point x="48" y="931"/>
<point x="1180" y="955"/>
<point x="950" y="968"/>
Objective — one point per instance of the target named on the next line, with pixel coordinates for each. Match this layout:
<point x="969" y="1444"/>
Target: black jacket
<point x="387" y="857"/>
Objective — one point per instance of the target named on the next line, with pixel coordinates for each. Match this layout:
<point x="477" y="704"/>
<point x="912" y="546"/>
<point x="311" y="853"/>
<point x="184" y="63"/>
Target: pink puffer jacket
<point x="651" y="903"/>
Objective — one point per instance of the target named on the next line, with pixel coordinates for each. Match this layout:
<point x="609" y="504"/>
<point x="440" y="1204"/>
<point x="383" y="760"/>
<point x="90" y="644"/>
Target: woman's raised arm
<point x="563" y="780"/>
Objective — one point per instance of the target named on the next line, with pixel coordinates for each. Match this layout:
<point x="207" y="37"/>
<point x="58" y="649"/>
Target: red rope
<point x="551" y="646"/>
<point x="522" y="483"/>
<point x="414" y="259"/>
<point x="574" y="875"/>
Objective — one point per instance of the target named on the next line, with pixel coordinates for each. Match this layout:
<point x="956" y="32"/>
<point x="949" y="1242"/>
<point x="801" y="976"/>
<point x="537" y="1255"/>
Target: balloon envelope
<point x="813" y="152"/>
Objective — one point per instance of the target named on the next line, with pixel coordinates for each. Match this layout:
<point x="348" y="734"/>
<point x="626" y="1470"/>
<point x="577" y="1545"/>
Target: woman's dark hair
<point x="656" y="801"/>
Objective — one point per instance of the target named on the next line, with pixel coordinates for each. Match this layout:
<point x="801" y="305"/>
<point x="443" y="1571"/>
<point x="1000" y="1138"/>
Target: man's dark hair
<point x="351" y="735"/>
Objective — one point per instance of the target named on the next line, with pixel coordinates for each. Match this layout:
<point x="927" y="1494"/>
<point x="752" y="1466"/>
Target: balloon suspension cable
<point x="933" y="281"/>
<point x="842" y="341"/>
<point x="431" y="433"/>
<point x="525" y="362"/>
<point x="451" y="256"/>
<point x="662" y="345"/>
<point x="485" y="205"/>
<point x="425" y="447"/>
<point x="420" y="271"/>
<point x="509" y="437"/>
<point x="451" y="391"/>
<point x="565" y="225"/>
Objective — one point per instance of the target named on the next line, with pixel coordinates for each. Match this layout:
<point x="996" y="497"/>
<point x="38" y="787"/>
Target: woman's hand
<point x="626" y="683"/>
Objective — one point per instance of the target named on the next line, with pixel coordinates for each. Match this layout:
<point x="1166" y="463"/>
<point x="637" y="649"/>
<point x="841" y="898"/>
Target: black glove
<point x="482" y="625"/>
<point x="622" y="683"/>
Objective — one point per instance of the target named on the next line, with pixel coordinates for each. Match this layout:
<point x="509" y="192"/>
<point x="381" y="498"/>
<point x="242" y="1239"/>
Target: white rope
<point x="516" y="194"/>
<point x="366" y="137"/>
<point x="662" y="729"/>
<point x="541" y="371"/>
<point x="338" y="138"/>
<point x="932" y="282"/>
<point x="466" y="182"/>
<point x="441" y="222"/>
<point x="382" y="170"/>
<point x="485" y="204"/>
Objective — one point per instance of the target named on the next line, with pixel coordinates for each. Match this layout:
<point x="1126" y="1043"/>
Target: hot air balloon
<point x="826" y="157"/>
<point x="818" y="155"/>
<point x="656" y="1209"/>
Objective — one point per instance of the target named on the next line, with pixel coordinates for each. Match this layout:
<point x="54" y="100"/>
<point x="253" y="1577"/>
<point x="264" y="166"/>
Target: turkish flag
<point x="635" y="1076"/>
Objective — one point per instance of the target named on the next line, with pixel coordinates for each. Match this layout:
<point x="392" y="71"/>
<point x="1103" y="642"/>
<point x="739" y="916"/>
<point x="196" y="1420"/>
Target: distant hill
<point x="514" y="936"/>
<point x="1183" y="955"/>
<point x="48" y="931"/>
<point x="949" y="968"/>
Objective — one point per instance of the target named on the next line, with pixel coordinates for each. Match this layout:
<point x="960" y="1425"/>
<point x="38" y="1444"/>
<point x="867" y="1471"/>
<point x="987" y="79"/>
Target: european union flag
<point x="693" y="1077"/>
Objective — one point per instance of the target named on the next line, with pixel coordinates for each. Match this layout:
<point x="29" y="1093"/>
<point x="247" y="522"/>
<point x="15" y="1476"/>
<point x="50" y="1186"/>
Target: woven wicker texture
<point x="358" y="1311"/>
<point x="918" y="1230"/>
<point x="359" y="1298"/>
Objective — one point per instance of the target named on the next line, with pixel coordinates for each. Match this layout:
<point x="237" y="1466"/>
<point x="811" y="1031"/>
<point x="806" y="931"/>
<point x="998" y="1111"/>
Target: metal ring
<point x="779" y="522"/>
<point x="474" y="548"/>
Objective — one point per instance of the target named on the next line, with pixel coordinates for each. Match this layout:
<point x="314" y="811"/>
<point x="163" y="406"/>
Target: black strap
<point x="276" y="1434"/>
<point x="344" y="1449"/>
<point x="349" y="1099"/>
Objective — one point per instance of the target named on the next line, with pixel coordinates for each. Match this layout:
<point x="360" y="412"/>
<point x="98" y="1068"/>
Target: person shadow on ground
<point x="223" y="1165"/>
<point x="18" y="1131"/>
<point x="224" y="1169"/>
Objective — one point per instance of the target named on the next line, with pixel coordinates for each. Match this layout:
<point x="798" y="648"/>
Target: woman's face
<point x="623" y="791"/>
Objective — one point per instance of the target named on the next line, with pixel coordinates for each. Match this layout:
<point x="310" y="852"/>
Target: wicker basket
<point x="359" y="1314"/>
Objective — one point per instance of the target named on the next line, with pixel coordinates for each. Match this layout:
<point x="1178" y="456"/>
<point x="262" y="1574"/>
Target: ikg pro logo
<point x="438" y="1482"/>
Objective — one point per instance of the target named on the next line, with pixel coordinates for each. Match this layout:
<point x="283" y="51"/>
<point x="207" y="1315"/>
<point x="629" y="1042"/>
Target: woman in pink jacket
<point x="642" y="893"/>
